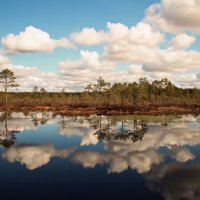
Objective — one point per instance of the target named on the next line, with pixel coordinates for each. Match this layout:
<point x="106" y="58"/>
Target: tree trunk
<point x="6" y="124"/>
<point x="108" y="100"/>
<point x="134" y="102"/>
<point x="122" y="101"/>
<point x="6" y="98"/>
<point x="149" y="96"/>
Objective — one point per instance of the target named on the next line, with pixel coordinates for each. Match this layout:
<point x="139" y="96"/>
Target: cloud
<point x="155" y="59"/>
<point x="128" y="53"/>
<point x="182" y="41"/>
<point x="89" y="60"/>
<point x="33" y="39"/>
<point x="174" y="61"/>
<point x="174" y="16"/>
<point x="4" y="60"/>
<point x="70" y="75"/>
<point x="135" y="69"/>
<point x="87" y="69"/>
<point x="140" y="46"/>
<point x="28" y="77"/>
<point x="74" y="75"/>
<point x="34" y="156"/>
<point x="183" y="13"/>
<point x="188" y="80"/>
<point x="91" y="65"/>
<point x="141" y="34"/>
<point x="89" y="36"/>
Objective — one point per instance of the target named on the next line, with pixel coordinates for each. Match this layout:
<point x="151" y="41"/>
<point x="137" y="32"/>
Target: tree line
<point x="143" y="92"/>
<point x="101" y="94"/>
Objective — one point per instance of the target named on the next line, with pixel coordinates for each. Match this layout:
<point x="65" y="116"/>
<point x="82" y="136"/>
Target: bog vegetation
<point x="102" y="94"/>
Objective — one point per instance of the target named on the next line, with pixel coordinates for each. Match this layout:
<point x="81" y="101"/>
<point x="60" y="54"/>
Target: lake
<point x="47" y="156"/>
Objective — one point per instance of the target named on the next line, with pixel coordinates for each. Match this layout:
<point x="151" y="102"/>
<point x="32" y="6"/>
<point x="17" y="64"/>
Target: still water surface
<point x="46" y="156"/>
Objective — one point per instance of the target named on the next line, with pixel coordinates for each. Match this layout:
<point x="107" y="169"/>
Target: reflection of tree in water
<point x="63" y="123"/>
<point x="35" y="119"/>
<point x="67" y="120"/>
<point x="8" y="141"/>
<point x="39" y="120"/>
<point x="135" y="133"/>
<point x="114" y="130"/>
<point x="8" y="135"/>
<point x="103" y="130"/>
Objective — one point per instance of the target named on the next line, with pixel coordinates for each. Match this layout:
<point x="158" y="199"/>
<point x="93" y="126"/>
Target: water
<point x="44" y="156"/>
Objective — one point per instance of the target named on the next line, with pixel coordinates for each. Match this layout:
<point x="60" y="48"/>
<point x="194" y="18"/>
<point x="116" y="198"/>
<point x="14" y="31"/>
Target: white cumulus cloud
<point x="140" y="34"/>
<point x="89" y="36"/>
<point x="4" y="60"/>
<point x="175" y="15"/>
<point x="182" y="41"/>
<point x="33" y="39"/>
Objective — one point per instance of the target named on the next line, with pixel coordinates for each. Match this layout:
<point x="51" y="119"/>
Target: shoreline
<point x="111" y="110"/>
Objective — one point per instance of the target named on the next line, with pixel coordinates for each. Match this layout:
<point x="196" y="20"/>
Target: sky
<point x="59" y="44"/>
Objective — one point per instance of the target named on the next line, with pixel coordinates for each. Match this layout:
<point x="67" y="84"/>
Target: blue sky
<point x="64" y="40"/>
<point x="60" y="18"/>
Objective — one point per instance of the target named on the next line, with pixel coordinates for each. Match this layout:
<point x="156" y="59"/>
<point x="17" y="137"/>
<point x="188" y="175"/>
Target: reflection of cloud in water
<point x="19" y="121"/>
<point x="176" y="181"/>
<point x="34" y="156"/>
<point x="159" y="136"/>
<point x="89" y="138"/>
<point x="141" y="161"/>
<point x="187" y="118"/>
<point x="73" y="129"/>
<point x="142" y="155"/>
<point x="20" y="124"/>
<point x="182" y="154"/>
<point x="15" y="125"/>
<point x="119" y="154"/>
<point x="89" y="158"/>
<point x="84" y="131"/>
<point x="39" y="115"/>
